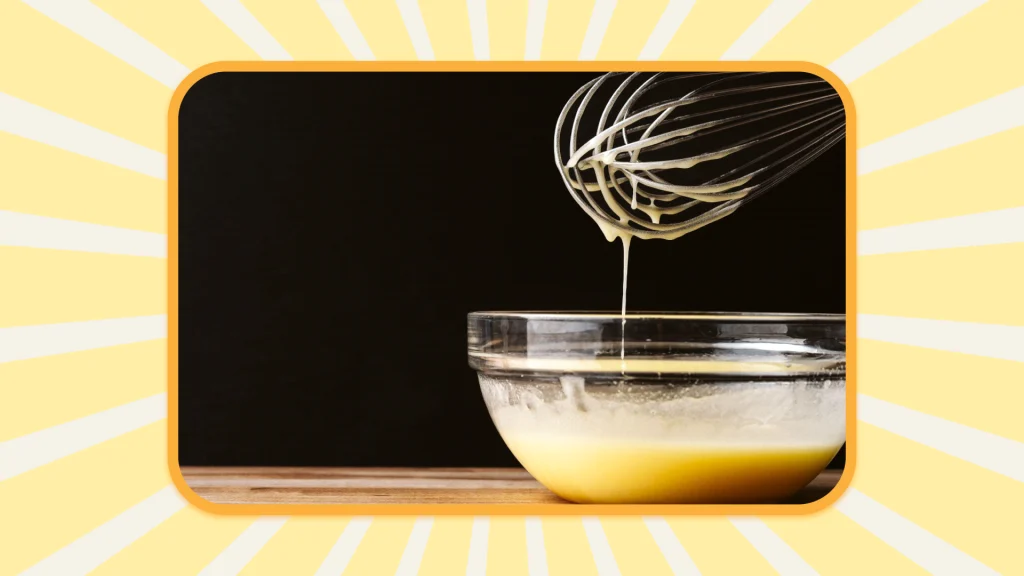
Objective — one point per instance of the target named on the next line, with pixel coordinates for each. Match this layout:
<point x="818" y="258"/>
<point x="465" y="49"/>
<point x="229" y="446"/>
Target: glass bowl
<point x="665" y="408"/>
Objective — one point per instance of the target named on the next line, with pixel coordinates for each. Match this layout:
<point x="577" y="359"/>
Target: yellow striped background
<point x="84" y="90"/>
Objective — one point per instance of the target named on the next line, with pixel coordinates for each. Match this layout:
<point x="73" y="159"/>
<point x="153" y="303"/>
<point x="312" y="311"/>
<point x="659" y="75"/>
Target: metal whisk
<point x="668" y="153"/>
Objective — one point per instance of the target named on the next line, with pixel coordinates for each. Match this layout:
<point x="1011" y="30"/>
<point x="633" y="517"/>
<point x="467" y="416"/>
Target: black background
<point x="336" y="228"/>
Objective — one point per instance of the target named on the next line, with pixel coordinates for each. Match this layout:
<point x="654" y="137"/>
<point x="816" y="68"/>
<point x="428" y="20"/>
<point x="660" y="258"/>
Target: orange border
<point x="510" y="509"/>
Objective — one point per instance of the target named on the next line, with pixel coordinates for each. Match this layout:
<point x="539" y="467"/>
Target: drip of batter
<point x="625" y="275"/>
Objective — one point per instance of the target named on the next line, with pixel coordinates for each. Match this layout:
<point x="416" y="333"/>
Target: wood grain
<point x="230" y="485"/>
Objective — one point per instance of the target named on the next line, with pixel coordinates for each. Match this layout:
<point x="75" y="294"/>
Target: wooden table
<point x="395" y="486"/>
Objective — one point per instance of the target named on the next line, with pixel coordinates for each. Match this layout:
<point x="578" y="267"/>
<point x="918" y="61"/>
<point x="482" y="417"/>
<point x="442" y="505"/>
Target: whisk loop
<point x="727" y="139"/>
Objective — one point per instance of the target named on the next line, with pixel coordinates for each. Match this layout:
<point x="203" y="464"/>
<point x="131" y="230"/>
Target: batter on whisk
<point x="672" y="152"/>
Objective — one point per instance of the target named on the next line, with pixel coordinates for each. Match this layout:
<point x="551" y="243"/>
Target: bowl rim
<point x="741" y="317"/>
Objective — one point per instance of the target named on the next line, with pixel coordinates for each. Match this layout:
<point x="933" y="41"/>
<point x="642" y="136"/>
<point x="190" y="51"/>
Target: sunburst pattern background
<point x="84" y="93"/>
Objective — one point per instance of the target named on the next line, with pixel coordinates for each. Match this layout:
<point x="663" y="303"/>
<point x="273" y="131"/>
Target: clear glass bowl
<point x="675" y="408"/>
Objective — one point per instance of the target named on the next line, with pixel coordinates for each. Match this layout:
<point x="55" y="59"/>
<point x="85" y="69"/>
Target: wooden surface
<point x="395" y="486"/>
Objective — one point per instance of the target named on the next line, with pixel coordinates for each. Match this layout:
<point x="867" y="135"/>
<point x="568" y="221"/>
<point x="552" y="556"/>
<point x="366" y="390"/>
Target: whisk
<point x="668" y="153"/>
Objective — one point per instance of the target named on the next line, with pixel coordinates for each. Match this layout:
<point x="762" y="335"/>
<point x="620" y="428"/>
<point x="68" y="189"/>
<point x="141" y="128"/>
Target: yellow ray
<point x="833" y="544"/>
<point x="382" y="546"/>
<point x="448" y="547"/>
<point x="49" y="65"/>
<point x="506" y="547"/>
<point x="49" y="507"/>
<point x="382" y="26"/>
<point x="942" y="74"/>
<point x="84" y="382"/>
<point x="301" y="28"/>
<point x="566" y="546"/>
<point x="634" y="548"/>
<point x="717" y="547"/>
<point x="937" y="383"/>
<point x="827" y="29"/>
<point x="299" y="547"/>
<point x="711" y="27"/>
<point x="629" y="29"/>
<point x="947" y="496"/>
<point x="978" y="176"/>
<point x="506" y="28"/>
<point x="48" y="181"/>
<point x="447" y="23"/>
<point x="977" y="284"/>
<point x="162" y="22"/>
<point x="184" y="544"/>
<point x="55" y="286"/>
<point x="564" y="29"/>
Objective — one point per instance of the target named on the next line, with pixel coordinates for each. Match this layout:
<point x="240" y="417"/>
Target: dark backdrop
<point x="336" y="228"/>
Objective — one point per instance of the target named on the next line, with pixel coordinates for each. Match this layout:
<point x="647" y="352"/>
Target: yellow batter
<point x="656" y="472"/>
<point x="720" y="444"/>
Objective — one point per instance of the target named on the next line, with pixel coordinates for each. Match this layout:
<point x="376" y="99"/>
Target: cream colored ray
<point x="86" y="553"/>
<point x="717" y="547"/>
<point x="634" y="548"/>
<point x="960" y="284"/>
<point x="476" y="11"/>
<point x="183" y="544"/>
<point x="940" y="74"/>
<point x="968" y="231"/>
<point x="31" y="231"/>
<point x="986" y="340"/>
<point x="53" y="505"/>
<point x="381" y="25"/>
<point x="600" y="17"/>
<point x="565" y="28"/>
<point x="21" y="455"/>
<point x="675" y="554"/>
<point x="930" y="187"/>
<point x="1004" y="111"/>
<point x="83" y="189"/>
<point x="604" y="559"/>
<point x="994" y="453"/>
<point x="711" y="27"/>
<point x="919" y="22"/>
<point x="536" y="19"/>
<point x="235" y="16"/>
<point x="78" y="77"/>
<point x="345" y="26"/>
<point x="62" y="286"/>
<point x="381" y="547"/>
<point x="671" y="19"/>
<point x="412" y="555"/>
<point x="448" y="548"/>
<point x="568" y="552"/>
<point x="924" y="548"/>
<point x="162" y="21"/>
<point x="417" y="30"/>
<point x="630" y="27"/>
<point x="835" y="545"/>
<point x="298" y="547"/>
<point x="507" y="553"/>
<point x="826" y="29"/>
<point x="82" y="383"/>
<point x="233" y="558"/>
<point x="766" y="26"/>
<point x="301" y="28"/>
<point x="95" y="25"/>
<point x="775" y="550"/>
<point x="36" y="341"/>
<point x="345" y="547"/>
<point x="944" y="495"/>
<point x="448" y="27"/>
<point x="27" y="120"/>
<point x="937" y="382"/>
